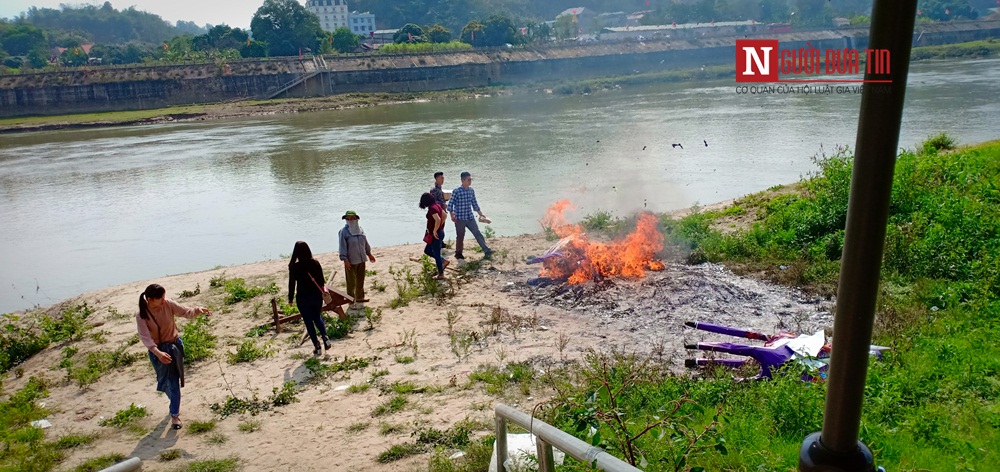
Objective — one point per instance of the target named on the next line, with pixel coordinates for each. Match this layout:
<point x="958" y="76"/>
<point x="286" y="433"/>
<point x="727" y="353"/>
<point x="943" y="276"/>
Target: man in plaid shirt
<point x="462" y="203"/>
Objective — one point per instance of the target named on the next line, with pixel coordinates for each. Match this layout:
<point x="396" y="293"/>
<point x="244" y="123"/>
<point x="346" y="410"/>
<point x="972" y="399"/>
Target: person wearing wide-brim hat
<point x="354" y="249"/>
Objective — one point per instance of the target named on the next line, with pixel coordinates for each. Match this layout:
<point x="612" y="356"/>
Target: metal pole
<point x="546" y="460"/>
<point x="837" y="447"/>
<point x="501" y="443"/>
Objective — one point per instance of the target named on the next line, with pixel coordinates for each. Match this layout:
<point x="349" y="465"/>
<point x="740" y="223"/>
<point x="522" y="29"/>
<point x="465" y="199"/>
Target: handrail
<point x="548" y="436"/>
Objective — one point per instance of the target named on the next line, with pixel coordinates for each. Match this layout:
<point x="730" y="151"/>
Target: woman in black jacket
<point x="308" y="274"/>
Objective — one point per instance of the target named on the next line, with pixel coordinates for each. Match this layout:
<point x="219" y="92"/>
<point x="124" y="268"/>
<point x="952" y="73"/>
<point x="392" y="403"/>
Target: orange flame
<point x="583" y="260"/>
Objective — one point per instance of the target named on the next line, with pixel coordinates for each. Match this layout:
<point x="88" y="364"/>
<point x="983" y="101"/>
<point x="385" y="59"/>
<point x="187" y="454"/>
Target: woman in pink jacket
<point x="158" y="332"/>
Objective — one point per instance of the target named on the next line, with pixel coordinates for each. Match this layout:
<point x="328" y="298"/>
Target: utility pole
<point x="837" y="447"/>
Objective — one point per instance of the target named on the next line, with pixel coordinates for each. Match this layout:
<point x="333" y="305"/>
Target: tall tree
<point x="438" y="34"/>
<point x="498" y="30"/>
<point x="20" y="39"/>
<point x="287" y="27"/>
<point x="344" y="40"/>
<point x="472" y="33"/>
<point x="409" y="33"/>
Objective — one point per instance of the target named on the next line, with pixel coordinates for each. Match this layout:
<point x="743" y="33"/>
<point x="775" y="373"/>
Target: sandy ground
<point x="645" y="315"/>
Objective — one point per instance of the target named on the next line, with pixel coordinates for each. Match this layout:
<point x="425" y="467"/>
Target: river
<point x="84" y="209"/>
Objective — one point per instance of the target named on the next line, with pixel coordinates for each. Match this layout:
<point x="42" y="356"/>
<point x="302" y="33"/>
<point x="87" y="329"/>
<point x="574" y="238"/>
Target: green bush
<point x="18" y="342"/>
<point x="238" y="291"/>
<point x="199" y="342"/>
<point x="125" y="417"/>
<point x="248" y="351"/>
<point x="69" y="325"/>
<point x="423" y="48"/>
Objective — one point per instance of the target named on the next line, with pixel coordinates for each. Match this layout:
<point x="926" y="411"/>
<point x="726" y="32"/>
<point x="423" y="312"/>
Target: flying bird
<point x="706" y="142"/>
<point x="644" y="148"/>
<point x="677" y="145"/>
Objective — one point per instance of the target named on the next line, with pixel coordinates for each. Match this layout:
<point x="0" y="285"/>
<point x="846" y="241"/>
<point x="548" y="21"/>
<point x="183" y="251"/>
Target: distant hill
<point x="104" y="24"/>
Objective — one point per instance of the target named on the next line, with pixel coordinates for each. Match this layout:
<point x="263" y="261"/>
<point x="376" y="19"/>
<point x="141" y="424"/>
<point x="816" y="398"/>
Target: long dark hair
<point x="301" y="252"/>
<point x="152" y="291"/>
<point x="427" y="200"/>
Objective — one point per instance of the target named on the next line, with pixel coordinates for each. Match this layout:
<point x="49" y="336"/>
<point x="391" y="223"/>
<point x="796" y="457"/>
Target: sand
<point x="311" y="434"/>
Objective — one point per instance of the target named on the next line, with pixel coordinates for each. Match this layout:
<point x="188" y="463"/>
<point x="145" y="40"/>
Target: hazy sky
<point x="230" y="12"/>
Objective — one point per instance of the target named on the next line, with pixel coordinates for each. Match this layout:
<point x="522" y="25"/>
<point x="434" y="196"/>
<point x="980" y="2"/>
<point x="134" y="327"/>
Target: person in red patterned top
<point x="435" y="231"/>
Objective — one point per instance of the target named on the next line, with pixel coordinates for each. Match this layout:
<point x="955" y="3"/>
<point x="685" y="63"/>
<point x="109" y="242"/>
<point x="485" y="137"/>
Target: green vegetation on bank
<point x="933" y="403"/>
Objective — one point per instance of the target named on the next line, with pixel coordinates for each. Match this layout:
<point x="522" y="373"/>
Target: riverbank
<point x="415" y="381"/>
<point x="249" y="108"/>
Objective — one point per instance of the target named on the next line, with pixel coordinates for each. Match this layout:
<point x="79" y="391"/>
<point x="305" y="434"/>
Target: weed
<point x="234" y="405"/>
<point x="190" y="293"/>
<point x="217" y="439"/>
<point x="477" y="457"/>
<point x="230" y="464"/>
<point x="319" y="369"/>
<point x="115" y="315"/>
<point x="489" y="232"/>
<point x="218" y="280"/>
<point x="71" y="441"/>
<point x="248" y="351"/>
<point x="257" y="331"/>
<point x="96" y="364"/>
<point x="936" y="143"/>
<point x="237" y="291"/>
<point x="406" y="287"/>
<point x="385" y="429"/>
<point x="393" y="405"/>
<point x="404" y="359"/>
<point x="371" y="273"/>
<point x="355" y="428"/>
<point x="170" y="455"/>
<point x="378" y="286"/>
<point x="199" y="341"/>
<point x="399" y="451"/>
<point x="373" y="317"/>
<point x="337" y="328"/>
<point x="125" y="417"/>
<point x="100" y="463"/>
<point x="358" y="388"/>
<point x="497" y="379"/>
<point x="379" y="373"/>
<point x="249" y="426"/>
<point x="199" y="427"/>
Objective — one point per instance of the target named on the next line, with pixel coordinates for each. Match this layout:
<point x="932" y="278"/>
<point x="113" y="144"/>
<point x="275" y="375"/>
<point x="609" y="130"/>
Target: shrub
<point x="199" y="341"/>
<point x="248" y="351"/>
<point x="69" y="325"/>
<point x="936" y="143"/>
<point x="18" y="342"/>
<point x="237" y="291"/>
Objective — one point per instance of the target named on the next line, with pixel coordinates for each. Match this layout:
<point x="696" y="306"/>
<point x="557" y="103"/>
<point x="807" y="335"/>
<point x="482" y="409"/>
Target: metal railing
<point x="548" y="436"/>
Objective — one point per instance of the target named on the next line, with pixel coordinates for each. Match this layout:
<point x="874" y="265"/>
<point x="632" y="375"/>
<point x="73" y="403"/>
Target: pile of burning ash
<point x="623" y="280"/>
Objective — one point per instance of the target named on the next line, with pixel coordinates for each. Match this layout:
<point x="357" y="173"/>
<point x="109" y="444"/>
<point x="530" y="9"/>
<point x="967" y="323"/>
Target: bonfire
<point x="577" y="259"/>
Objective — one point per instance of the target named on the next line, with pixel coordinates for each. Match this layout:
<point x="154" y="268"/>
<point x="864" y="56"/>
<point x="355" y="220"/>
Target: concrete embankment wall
<point x="110" y="89"/>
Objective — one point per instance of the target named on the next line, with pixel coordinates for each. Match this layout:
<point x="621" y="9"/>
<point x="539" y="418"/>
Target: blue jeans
<point x="311" y="307"/>
<point x="172" y="386"/>
<point x="434" y="251"/>
<point x="460" y="226"/>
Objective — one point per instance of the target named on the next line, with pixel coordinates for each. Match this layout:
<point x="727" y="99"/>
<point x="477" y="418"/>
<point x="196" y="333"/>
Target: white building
<point x="361" y="23"/>
<point x="332" y="13"/>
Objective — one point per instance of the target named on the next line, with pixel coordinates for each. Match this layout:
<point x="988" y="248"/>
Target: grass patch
<point x="390" y="406"/>
<point x="355" y="428"/>
<point x="385" y="429"/>
<point x="399" y="451"/>
<point x="230" y="464"/>
<point x="217" y="439"/>
<point x="404" y="359"/>
<point x="126" y="416"/>
<point x="249" y="351"/>
<point x="236" y="405"/>
<point x="170" y="455"/>
<point x="249" y="426"/>
<point x="972" y="49"/>
<point x="319" y="369"/>
<point x="238" y="291"/>
<point x="99" y="463"/>
<point x="201" y="427"/>
<point x="71" y="441"/>
<point x="477" y="457"/>
<point x="497" y="380"/>
<point x="358" y="388"/>
<point x="23" y="443"/>
<point x="96" y="364"/>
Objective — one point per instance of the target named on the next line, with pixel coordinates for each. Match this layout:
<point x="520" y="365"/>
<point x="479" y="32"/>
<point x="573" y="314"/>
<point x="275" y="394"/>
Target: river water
<point x="83" y="209"/>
